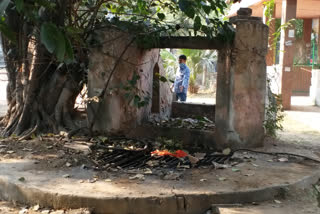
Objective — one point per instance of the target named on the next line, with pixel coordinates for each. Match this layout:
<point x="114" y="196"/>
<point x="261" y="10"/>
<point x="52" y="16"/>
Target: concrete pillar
<point x="289" y="10"/>
<point x="270" y="59"/>
<point x="241" y="84"/>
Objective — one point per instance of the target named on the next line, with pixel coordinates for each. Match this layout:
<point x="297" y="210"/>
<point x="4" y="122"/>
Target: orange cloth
<point x="177" y="154"/>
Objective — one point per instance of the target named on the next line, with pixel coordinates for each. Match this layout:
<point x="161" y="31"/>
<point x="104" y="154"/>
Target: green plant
<point x="199" y="61"/>
<point x="274" y="114"/>
<point x="130" y="90"/>
<point x="170" y="63"/>
<point x="49" y="42"/>
<point x="270" y="5"/>
<point x="169" y="144"/>
<point x="193" y="87"/>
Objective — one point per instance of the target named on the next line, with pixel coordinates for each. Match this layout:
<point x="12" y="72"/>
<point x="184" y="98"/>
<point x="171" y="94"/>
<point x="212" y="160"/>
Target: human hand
<point x="181" y="88"/>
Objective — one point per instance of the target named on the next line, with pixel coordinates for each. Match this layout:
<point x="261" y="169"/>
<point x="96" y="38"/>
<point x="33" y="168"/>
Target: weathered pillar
<point x="289" y="10"/>
<point x="241" y="84"/>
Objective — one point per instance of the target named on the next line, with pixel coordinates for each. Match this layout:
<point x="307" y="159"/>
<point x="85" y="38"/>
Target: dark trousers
<point x="181" y="96"/>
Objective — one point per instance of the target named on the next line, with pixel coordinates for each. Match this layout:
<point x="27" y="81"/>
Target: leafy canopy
<point x="146" y="19"/>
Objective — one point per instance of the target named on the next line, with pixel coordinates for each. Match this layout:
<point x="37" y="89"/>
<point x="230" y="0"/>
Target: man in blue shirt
<point x="181" y="82"/>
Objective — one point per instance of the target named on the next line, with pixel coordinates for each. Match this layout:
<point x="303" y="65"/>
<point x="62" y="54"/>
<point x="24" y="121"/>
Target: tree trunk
<point x="40" y="95"/>
<point x="204" y="74"/>
<point x="45" y="102"/>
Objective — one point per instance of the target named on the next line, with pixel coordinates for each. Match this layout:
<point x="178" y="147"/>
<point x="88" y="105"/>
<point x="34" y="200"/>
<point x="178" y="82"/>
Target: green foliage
<point x="6" y="31"/>
<point x="130" y="91"/>
<point x="56" y="42"/>
<point x="170" y="63"/>
<point x="274" y="115"/>
<point x="145" y="19"/>
<point x="3" y="6"/>
<point x="284" y="26"/>
<point x="19" y="5"/>
<point x="169" y="144"/>
<point x="68" y="39"/>
<point x="198" y="61"/>
<point x="269" y="10"/>
<point x="161" y="78"/>
<point x="299" y="28"/>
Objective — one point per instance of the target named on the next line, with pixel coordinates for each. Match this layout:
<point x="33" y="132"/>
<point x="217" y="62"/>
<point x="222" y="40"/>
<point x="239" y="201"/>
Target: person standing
<point x="181" y="82"/>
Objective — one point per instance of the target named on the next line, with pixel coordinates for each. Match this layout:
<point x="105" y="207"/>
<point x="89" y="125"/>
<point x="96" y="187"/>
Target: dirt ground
<point x="9" y="208"/>
<point x="301" y="135"/>
<point x="202" y="97"/>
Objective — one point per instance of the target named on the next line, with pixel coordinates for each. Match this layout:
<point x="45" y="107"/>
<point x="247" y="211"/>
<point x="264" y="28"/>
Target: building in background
<point x="295" y="61"/>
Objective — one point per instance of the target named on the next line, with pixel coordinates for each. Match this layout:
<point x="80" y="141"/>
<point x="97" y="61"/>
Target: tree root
<point x="84" y="132"/>
<point x="28" y="134"/>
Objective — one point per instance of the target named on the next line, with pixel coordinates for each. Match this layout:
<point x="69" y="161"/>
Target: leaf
<point x="207" y="9"/>
<point x="60" y="46"/>
<point x="3" y="6"/>
<point x="136" y="101"/>
<point x="277" y="201"/>
<point x="137" y="177"/>
<point x="103" y="139"/>
<point x="187" y="7"/>
<point x="190" y="12"/>
<point x="33" y="136"/>
<point x="36" y="207"/>
<point x="163" y="79"/>
<point x="235" y="170"/>
<point x="22" y="179"/>
<point x="161" y="16"/>
<point x="66" y="176"/>
<point x="7" y="32"/>
<point x="197" y="23"/>
<point x="53" y="39"/>
<point x="19" y="5"/>
<point x="222" y="179"/>
<point x="69" y="52"/>
<point x="283" y="159"/>
<point x="226" y="151"/>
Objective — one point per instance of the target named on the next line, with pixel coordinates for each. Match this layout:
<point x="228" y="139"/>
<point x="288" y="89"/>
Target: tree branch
<point x="107" y="84"/>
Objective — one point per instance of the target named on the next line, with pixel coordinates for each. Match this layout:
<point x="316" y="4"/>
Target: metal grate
<point x="129" y="159"/>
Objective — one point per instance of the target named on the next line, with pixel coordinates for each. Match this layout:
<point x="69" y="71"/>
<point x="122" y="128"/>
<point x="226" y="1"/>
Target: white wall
<point x="315" y="87"/>
<point x="274" y="74"/>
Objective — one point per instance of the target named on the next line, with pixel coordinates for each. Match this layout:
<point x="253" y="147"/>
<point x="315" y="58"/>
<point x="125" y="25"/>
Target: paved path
<point x="302" y="124"/>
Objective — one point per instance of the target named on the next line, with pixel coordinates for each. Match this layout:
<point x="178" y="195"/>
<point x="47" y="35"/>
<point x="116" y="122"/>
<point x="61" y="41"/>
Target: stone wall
<point x="117" y="113"/>
<point x="193" y="110"/>
<point x="241" y="84"/>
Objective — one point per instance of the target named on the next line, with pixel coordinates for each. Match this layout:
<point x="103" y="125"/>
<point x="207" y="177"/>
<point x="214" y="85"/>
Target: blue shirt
<point x="182" y="78"/>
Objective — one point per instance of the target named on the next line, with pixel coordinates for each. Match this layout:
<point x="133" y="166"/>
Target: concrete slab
<point x="22" y="181"/>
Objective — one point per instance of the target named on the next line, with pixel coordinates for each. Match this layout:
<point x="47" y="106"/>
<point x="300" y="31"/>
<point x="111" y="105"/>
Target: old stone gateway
<point x="241" y="86"/>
